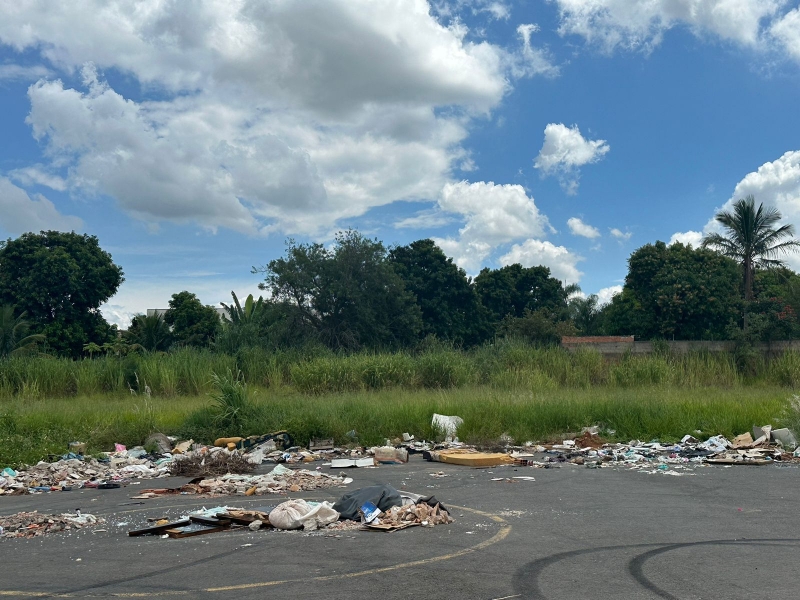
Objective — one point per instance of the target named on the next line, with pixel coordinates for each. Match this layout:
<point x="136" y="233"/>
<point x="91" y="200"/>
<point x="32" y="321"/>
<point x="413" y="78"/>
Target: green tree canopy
<point x="60" y="280"/>
<point x="348" y="295"/>
<point x="192" y="323"/>
<point x="675" y="291"/>
<point x="151" y="332"/>
<point x="447" y="299"/>
<point x="515" y="289"/>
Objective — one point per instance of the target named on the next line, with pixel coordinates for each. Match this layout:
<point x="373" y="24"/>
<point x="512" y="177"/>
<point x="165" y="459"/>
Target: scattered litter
<point x="35" y="524"/>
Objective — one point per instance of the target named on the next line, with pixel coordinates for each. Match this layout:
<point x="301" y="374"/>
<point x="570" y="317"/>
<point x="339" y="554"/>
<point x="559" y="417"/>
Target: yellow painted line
<point x="498" y="537"/>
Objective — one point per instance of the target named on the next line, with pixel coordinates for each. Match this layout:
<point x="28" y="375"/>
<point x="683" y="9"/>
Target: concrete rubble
<point x="35" y="524"/>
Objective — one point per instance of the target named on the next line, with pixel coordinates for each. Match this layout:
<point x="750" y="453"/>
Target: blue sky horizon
<point x="194" y="142"/>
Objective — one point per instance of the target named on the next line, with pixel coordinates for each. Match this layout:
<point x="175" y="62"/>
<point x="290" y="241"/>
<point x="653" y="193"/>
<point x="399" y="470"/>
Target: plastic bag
<point x="447" y="425"/>
<point x="294" y="514"/>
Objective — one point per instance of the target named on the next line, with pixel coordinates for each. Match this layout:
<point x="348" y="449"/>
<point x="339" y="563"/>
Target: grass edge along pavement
<point x="31" y="429"/>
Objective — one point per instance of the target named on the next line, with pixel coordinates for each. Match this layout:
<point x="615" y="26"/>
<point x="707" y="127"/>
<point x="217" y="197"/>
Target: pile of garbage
<point x="763" y="446"/>
<point x="280" y="480"/>
<point x="379" y="507"/>
<point x="74" y="473"/>
<point x="35" y="524"/>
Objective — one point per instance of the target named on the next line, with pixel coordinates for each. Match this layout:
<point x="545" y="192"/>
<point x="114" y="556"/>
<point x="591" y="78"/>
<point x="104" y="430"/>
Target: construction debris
<point x="275" y="482"/>
<point x="35" y="524"/>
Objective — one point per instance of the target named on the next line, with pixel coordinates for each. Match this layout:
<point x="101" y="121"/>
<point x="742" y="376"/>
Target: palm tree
<point x="752" y="239"/>
<point x="14" y="338"/>
<point x="150" y="332"/>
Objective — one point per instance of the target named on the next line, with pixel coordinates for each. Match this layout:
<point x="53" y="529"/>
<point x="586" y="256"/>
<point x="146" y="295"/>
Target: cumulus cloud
<point x="777" y="184"/>
<point x="634" y="24"/>
<point x="271" y="116"/>
<point x="605" y="295"/>
<point x="786" y="31"/>
<point x="19" y="213"/>
<point x="494" y="215"/>
<point x="564" y="151"/>
<point x="693" y="238"/>
<point x="562" y="262"/>
<point x="578" y="227"/>
<point x="622" y="236"/>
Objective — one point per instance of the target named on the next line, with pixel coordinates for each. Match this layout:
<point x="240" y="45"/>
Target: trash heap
<point x="761" y="447"/>
<point x="279" y="480"/>
<point x="75" y="473"/>
<point x="35" y="524"/>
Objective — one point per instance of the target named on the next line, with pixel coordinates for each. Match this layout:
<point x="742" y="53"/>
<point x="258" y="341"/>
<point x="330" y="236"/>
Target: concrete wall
<point x="678" y="347"/>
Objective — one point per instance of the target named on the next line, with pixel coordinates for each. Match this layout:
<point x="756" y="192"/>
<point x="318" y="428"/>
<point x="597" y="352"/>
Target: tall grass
<point x="504" y="366"/>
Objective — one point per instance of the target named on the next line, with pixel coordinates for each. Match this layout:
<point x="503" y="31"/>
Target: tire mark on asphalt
<point x="527" y="579"/>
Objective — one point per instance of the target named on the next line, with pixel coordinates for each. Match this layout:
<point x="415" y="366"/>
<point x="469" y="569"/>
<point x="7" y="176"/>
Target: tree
<point x="60" y="280"/>
<point x="514" y="289"/>
<point x="675" y="292"/>
<point x="192" y="323"/>
<point x="349" y="296"/>
<point x="14" y="338"/>
<point x="445" y="295"/>
<point x="752" y="239"/>
<point x="584" y="313"/>
<point x="151" y="332"/>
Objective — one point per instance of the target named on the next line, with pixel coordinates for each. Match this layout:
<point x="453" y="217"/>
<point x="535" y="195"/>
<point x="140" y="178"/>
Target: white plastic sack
<point x="321" y="514"/>
<point x="294" y="514"/>
<point x="447" y="424"/>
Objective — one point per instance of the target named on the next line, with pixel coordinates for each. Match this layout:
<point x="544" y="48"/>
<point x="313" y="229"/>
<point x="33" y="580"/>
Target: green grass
<point x="30" y="429"/>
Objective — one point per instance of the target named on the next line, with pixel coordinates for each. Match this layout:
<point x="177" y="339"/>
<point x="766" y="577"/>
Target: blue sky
<point x="194" y="141"/>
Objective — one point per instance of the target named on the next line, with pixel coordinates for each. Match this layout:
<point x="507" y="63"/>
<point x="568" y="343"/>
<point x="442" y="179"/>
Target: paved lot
<point x="573" y="533"/>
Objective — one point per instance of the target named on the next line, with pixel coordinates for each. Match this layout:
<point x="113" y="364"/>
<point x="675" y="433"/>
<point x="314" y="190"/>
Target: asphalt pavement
<point x="574" y="532"/>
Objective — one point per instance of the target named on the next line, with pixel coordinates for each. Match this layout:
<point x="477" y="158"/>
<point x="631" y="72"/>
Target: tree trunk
<point x="748" y="287"/>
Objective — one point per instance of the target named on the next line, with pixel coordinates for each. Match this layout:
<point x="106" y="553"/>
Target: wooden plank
<point x="156" y="529"/>
<point x="210" y="521"/>
<point x="178" y="534"/>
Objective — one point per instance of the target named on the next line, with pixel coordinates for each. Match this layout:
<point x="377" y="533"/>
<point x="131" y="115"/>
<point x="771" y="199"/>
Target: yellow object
<point x="231" y="446"/>
<point x="251" y="491"/>
<point x="223" y="442"/>
<point x="470" y="458"/>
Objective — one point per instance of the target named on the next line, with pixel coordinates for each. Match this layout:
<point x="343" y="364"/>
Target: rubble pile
<point x="421" y="514"/>
<point x="74" y="473"/>
<point x="35" y="524"/>
<point x="279" y="480"/>
<point x="762" y="447"/>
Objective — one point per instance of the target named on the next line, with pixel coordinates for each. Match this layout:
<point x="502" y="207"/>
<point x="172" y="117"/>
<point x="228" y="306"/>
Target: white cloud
<point x="272" y="116"/>
<point x="622" y="236"/>
<point x="687" y="237"/>
<point x="529" y="60"/>
<point x="564" y="151"/>
<point x="578" y="227"/>
<point x="495" y="215"/>
<point x="11" y="71"/>
<point x="635" y="24"/>
<point x="605" y="295"/>
<point x="787" y="32"/>
<point x="425" y="219"/>
<point x="562" y="262"/>
<point x="38" y="175"/>
<point x="19" y="213"/>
